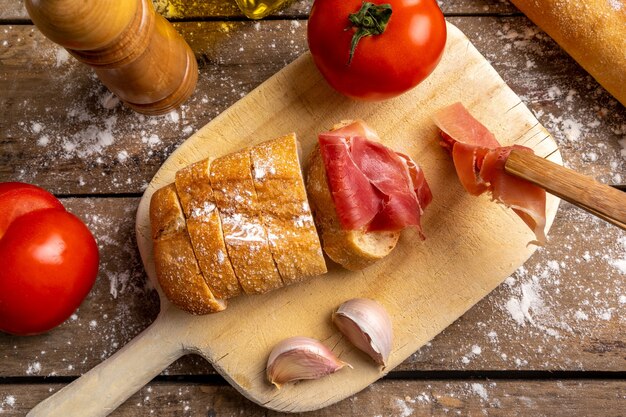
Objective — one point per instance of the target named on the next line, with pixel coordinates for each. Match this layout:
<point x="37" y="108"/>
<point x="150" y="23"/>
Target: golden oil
<point x="258" y="9"/>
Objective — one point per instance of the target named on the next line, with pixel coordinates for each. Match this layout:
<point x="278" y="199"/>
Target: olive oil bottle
<point x="258" y="9"/>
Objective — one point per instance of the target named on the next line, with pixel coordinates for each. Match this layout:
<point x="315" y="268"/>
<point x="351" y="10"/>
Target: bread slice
<point x="177" y="270"/>
<point x="353" y="249"/>
<point x="244" y="233"/>
<point x="285" y="212"/>
<point x="193" y="186"/>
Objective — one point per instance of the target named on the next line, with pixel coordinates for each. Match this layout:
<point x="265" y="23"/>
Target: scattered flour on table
<point x="109" y="101"/>
<point x="9" y="401"/>
<point x="61" y="56"/>
<point x="91" y="140"/>
<point x="619" y="262"/>
<point x="33" y="368"/>
<point x="447" y="397"/>
<point x="403" y="407"/>
<point x="479" y="389"/>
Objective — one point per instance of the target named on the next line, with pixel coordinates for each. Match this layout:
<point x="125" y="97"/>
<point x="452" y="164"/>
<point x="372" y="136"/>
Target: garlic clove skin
<point x="367" y="325"/>
<point x="300" y="357"/>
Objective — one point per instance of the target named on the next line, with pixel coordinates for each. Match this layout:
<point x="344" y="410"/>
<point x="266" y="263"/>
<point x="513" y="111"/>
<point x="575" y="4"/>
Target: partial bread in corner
<point x="193" y="185"/>
<point x="244" y="234"/>
<point x="284" y="208"/>
<point x="176" y="266"/>
<point x="593" y="32"/>
<point x="353" y="249"/>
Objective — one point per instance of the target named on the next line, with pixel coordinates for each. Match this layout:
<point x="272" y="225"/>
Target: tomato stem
<point x="371" y="19"/>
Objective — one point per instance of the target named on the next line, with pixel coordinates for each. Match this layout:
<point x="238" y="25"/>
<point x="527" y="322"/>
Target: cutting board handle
<point x="105" y="387"/>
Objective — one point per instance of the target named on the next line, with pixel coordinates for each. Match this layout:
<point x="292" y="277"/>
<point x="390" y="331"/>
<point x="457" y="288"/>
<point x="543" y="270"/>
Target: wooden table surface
<point x="551" y="340"/>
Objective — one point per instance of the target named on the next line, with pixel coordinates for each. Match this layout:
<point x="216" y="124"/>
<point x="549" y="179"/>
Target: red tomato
<point x="48" y="261"/>
<point x="383" y="65"/>
<point x="17" y="198"/>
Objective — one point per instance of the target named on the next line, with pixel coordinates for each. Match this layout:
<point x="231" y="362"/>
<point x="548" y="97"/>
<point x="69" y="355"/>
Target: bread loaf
<point x="236" y="232"/>
<point x="175" y="262"/>
<point x="593" y="32"/>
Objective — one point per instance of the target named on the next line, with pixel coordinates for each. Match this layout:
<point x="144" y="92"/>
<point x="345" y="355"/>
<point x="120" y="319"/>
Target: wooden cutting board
<point x="472" y="244"/>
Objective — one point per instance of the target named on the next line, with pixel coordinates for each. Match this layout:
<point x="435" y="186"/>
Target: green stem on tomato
<point x="371" y="19"/>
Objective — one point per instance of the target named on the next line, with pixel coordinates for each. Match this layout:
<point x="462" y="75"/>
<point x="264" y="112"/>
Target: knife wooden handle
<point x="599" y="199"/>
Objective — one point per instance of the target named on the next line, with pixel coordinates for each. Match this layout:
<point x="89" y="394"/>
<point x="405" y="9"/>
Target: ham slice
<point x="355" y="198"/>
<point x="479" y="162"/>
<point x="373" y="187"/>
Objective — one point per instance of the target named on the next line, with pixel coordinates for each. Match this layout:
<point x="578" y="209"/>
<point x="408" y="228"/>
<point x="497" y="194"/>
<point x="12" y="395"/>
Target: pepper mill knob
<point x="134" y="51"/>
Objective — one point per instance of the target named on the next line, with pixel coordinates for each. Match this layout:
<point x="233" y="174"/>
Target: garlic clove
<point x="301" y="358"/>
<point x="366" y="324"/>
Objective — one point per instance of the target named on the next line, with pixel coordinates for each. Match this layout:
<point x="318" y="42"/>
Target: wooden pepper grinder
<point x="134" y="51"/>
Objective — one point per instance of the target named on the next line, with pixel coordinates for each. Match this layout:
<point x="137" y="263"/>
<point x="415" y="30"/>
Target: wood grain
<point x="69" y="147"/>
<point x="389" y="398"/>
<point x="599" y="199"/>
<point x="575" y="323"/>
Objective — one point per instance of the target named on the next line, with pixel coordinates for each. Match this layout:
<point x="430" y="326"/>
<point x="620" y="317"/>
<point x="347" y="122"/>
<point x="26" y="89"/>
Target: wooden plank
<point x="61" y="129"/>
<point x="556" y="398"/>
<point x="182" y="9"/>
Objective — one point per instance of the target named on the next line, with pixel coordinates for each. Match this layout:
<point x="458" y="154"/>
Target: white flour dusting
<point x="8" y="401"/>
<point x="118" y="282"/>
<point x="109" y="101"/>
<point x="619" y="263"/>
<point x="479" y="389"/>
<point x="61" y="56"/>
<point x="33" y="368"/>
<point x="402" y="406"/>
<point x="94" y="139"/>
<point x="43" y="140"/>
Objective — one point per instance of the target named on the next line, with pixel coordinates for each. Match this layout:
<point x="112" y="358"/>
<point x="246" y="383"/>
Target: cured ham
<point x="479" y="161"/>
<point x="373" y="187"/>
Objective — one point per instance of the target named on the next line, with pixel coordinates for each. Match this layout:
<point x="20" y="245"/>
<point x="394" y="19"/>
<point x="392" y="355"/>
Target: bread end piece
<point x="353" y="249"/>
<point x="176" y="266"/>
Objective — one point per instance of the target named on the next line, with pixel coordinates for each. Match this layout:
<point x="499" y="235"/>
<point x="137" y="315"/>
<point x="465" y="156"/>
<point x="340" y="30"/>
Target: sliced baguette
<point x="193" y="186"/>
<point x="285" y="212"/>
<point x="244" y="234"/>
<point x="353" y="249"/>
<point x="176" y="266"/>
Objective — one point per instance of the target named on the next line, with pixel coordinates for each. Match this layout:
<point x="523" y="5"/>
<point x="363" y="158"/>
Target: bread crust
<point x="353" y="249"/>
<point x="193" y="185"/>
<point x="593" y="32"/>
<point x="244" y="234"/>
<point x="284" y="208"/>
<point x="176" y="266"/>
